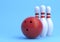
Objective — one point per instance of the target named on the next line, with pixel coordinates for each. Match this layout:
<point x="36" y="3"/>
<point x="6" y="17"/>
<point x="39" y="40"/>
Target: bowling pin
<point x="49" y="21"/>
<point x="43" y="20"/>
<point x="37" y="12"/>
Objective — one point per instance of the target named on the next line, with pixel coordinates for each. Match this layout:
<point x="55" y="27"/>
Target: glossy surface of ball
<point x="31" y="27"/>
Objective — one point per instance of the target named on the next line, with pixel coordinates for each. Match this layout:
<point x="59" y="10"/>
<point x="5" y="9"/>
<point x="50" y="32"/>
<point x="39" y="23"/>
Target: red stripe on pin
<point x="48" y="17"/>
<point x="48" y="13"/>
<point x="42" y="16"/>
<point x="36" y="13"/>
<point x="37" y="16"/>
<point x="42" y="13"/>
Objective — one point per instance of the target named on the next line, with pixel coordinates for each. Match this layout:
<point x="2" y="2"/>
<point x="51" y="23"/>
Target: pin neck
<point x="42" y="15"/>
<point x="48" y="15"/>
<point x="37" y="15"/>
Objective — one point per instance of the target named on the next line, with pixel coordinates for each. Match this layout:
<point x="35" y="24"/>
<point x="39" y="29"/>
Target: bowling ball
<point x="31" y="27"/>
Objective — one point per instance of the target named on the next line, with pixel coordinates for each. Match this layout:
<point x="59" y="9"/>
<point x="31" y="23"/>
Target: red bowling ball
<point x="31" y="27"/>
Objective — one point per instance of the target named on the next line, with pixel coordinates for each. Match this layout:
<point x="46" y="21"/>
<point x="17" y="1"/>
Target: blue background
<point x="13" y="12"/>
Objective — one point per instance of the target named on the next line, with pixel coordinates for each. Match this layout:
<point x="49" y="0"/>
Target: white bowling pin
<point x="37" y="12"/>
<point x="43" y="20"/>
<point x="49" y="21"/>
